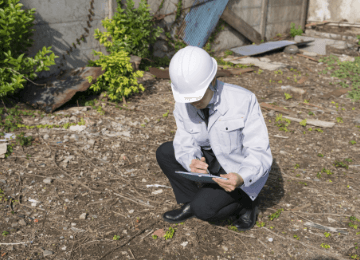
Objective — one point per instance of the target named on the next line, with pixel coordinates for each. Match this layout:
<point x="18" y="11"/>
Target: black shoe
<point x="179" y="215"/>
<point x="247" y="220"/>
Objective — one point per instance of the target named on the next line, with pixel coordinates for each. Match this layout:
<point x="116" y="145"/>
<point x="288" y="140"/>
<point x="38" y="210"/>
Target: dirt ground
<point x="91" y="187"/>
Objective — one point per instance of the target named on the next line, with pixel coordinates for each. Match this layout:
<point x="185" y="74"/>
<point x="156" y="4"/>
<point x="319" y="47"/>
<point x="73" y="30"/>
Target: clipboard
<point x="199" y="177"/>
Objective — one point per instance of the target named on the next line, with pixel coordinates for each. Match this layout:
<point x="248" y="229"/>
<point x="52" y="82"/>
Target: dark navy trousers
<point x="209" y="202"/>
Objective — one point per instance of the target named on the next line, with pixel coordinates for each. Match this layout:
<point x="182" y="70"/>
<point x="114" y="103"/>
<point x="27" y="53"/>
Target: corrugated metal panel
<point x="262" y="48"/>
<point x="201" y="21"/>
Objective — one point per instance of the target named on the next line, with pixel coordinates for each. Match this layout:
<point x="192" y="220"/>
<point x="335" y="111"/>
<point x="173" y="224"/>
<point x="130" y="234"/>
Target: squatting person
<point x="220" y="128"/>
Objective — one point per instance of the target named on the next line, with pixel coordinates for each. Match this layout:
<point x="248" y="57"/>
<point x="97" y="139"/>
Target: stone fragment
<point x="75" y="137"/>
<point x="225" y="248"/>
<point x="357" y="121"/>
<point x="77" y="128"/>
<point x="3" y="150"/>
<point x="83" y="216"/>
<point x="46" y="137"/>
<point x="22" y="222"/>
<point x="48" y="180"/>
<point x="47" y="253"/>
<point x="157" y="192"/>
<point x="291" y="49"/>
<point x="184" y="244"/>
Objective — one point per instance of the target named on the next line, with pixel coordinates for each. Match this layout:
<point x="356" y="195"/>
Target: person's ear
<point x="214" y="81"/>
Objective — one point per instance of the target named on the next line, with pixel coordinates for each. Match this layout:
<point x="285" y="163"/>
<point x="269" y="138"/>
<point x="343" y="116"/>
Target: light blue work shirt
<point x="236" y="132"/>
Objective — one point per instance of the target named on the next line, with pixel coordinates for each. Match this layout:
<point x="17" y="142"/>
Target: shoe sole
<point x="254" y="221"/>
<point x="174" y="221"/>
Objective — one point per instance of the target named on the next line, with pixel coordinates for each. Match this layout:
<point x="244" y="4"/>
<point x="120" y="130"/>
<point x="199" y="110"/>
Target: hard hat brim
<point x="198" y="95"/>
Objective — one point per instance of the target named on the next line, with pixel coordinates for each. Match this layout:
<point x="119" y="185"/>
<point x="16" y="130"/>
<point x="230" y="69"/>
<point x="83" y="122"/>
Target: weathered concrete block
<point x="319" y="44"/>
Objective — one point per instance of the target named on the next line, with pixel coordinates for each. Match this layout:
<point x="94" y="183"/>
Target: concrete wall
<point x="58" y="23"/>
<point x="334" y="10"/>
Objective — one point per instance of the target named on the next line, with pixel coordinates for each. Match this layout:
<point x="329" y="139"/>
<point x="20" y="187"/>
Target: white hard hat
<point x="191" y="71"/>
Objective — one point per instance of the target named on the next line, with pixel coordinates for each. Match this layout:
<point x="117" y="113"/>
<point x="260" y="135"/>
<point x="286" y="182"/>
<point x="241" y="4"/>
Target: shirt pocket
<point x="231" y="131"/>
<point x="195" y="131"/>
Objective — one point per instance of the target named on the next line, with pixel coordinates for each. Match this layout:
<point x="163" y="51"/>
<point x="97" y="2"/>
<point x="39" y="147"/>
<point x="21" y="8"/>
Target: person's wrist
<point x="239" y="181"/>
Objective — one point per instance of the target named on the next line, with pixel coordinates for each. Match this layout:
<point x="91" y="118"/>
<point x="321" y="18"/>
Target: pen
<point x="206" y="169"/>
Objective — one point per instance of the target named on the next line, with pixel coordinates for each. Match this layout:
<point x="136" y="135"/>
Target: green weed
<point x="260" y="224"/>
<point x="116" y="237"/>
<point x="284" y="123"/>
<point x="328" y="172"/>
<point x="294" y="31"/>
<point x="341" y="164"/>
<point x="276" y="214"/>
<point x="323" y="245"/>
<point x="303" y="122"/>
<point x="166" y="114"/>
<point x="170" y="233"/>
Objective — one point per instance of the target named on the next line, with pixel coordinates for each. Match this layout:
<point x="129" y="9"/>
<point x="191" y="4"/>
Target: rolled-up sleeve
<point x="185" y="147"/>
<point x="256" y="146"/>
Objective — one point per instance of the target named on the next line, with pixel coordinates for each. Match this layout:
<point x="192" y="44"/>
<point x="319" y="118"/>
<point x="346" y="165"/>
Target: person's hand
<point x="233" y="180"/>
<point x="199" y="166"/>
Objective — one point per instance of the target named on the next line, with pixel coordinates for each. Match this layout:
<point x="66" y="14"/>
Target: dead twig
<point x="9" y="244"/>
<point x="119" y="214"/>
<point x="132" y="254"/>
<point x="140" y="203"/>
<point x="127" y="241"/>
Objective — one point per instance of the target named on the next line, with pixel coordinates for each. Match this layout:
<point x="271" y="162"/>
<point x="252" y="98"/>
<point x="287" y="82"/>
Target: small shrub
<point x="15" y="39"/>
<point x="119" y="80"/>
<point x="131" y="30"/>
<point x="294" y="31"/>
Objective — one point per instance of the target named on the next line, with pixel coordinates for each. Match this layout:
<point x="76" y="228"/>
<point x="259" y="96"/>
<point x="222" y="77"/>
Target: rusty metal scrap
<point x="59" y="89"/>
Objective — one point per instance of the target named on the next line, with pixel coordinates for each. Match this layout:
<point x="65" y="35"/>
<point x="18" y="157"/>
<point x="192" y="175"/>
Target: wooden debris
<point x="303" y="79"/>
<point x="331" y="229"/>
<point x="241" y="71"/>
<point x="335" y="93"/>
<point x="276" y="108"/>
<point x="312" y="122"/>
<point x="309" y="58"/>
<point x="279" y="136"/>
<point x="240" y="25"/>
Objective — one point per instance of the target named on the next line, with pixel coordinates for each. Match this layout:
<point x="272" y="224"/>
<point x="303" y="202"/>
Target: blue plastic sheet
<point x="200" y="22"/>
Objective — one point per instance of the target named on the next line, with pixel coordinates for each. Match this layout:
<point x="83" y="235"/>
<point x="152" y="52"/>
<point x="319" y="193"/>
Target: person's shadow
<point x="273" y="190"/>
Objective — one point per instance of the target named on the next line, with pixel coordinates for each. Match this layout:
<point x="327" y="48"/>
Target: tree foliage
<point x="131" y="29"/>
<point x="15" y="34"/>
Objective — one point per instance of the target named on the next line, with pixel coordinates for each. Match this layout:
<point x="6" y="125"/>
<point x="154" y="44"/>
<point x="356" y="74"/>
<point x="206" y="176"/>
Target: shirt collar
<point x="214" y="97"/>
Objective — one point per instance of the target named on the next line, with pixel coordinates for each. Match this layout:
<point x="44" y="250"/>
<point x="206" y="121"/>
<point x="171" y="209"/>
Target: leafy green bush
<point x="130" y="29"/>
<point x="294" y="31"/>
<point x="119" y="80"/>
<point x="15" y="33"/>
